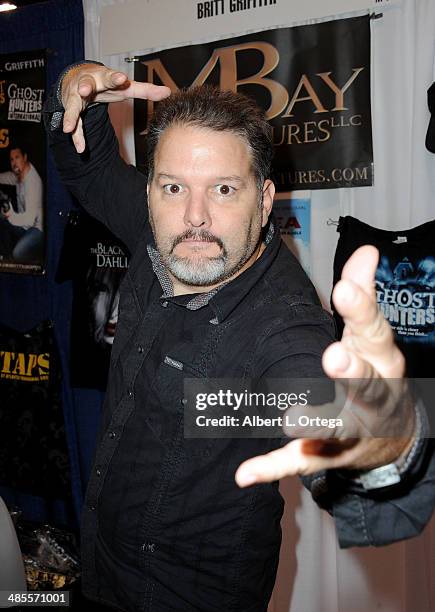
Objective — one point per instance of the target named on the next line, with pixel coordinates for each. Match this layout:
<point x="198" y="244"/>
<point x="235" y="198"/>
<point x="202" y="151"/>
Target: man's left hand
<point x="367" y="351"/>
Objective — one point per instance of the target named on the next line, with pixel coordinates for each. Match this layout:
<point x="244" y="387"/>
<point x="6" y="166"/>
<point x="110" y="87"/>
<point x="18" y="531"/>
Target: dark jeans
<point x="20" y="245"/>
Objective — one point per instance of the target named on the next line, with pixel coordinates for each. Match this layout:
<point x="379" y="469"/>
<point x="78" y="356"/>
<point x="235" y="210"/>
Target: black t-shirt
<point x="405" y="285"/>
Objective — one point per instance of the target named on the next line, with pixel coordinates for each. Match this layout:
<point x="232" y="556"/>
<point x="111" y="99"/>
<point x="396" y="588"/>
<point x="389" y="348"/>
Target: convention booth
<point x="346" y="86"/>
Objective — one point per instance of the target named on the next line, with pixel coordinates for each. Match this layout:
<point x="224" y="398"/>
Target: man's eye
<point x="225" y="189"/>
<point x="172" y="188"/>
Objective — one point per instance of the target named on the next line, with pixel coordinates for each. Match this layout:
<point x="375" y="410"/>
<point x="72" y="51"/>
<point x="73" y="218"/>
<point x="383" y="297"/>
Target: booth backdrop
<point x="314" y="574"/>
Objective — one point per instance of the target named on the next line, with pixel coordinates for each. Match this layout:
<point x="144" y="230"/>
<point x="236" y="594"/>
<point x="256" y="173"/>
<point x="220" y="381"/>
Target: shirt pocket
<point x="167" y="407"/>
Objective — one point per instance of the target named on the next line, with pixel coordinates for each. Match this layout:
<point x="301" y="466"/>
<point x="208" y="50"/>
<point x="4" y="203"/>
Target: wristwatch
<point x="392" y="473"/>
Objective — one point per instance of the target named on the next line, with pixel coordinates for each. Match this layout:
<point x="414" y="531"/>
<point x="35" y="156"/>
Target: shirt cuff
<point x="405" y="467"/>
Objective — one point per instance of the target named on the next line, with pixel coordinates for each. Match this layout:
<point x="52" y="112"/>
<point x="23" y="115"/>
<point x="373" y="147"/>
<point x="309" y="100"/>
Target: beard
<point x="196" y="270"/>
<point x="204" y="271"/>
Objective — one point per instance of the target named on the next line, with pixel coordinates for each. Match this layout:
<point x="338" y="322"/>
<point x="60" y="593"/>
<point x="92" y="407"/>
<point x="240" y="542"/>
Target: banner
<point x="33" y="450"/>
<point x="22" y="162"/>
<point x="190" y="21"/>
<point x="313" y="82"/>
<point x="292" y="212"/>
<point x="96" y="262"/>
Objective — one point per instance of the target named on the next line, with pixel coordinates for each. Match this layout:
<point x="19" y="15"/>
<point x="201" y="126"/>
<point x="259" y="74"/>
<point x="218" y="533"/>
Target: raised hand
<point x="89" y="83"/>
<point x="380" y="406"/>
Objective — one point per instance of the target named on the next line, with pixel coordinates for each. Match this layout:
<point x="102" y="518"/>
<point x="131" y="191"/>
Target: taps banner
<point x="22" y="162"/>
<point x="33" y="449"/>
<point x="313" y="81"/>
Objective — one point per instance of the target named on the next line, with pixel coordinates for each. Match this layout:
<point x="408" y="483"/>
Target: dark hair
<point x="208" y="107"/>
<point x="17" y="145"/>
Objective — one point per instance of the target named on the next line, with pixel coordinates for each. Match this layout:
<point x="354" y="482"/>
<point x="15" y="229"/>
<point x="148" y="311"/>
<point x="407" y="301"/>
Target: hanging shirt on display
<point x="405" y="285"/>
<point x="33" y="449"/>
<point x="96" y="262"/>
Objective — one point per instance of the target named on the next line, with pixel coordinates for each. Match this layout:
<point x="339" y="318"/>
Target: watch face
<point x="383" y="476"/>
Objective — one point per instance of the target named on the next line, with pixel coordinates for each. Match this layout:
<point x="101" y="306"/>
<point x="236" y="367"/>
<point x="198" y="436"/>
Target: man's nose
<point x="197" y="212"/>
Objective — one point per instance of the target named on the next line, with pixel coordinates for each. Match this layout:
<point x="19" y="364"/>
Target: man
<point x="21" y="231"/>
<point x="212" y="292"/>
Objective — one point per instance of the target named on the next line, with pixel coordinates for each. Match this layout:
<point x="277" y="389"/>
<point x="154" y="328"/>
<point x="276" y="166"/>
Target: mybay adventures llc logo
<point x="313" y="83"/>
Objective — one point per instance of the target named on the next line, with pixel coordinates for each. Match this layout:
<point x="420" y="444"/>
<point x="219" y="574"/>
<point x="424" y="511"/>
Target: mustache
<point x="204" y="235"/>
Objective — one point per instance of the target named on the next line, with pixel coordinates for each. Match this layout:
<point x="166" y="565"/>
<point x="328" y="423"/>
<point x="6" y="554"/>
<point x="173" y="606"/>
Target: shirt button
<point x="112" y="434"/>
<point x="98" y="472"/>
<point x="130" y="393"/>
<point x="140" y="349"/>
<point x="92" y="508"/>
<point x="165" y="304"/>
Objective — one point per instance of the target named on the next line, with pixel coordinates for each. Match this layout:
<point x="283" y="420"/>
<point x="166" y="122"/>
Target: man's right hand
<point x="89" y="83"/>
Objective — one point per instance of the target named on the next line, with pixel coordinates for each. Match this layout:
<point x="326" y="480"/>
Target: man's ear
<point x="268" y="195"/>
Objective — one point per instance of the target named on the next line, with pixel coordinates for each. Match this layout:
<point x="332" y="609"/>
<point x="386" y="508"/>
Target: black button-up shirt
<point x="177" y="531"/>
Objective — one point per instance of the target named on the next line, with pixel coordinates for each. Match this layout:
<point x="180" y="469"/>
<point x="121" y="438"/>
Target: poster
<point x="292" y="213"/>
<point x="33" y="449"/>
<point x="22" y="162"/>
<point x="405" y="294"/>
<point x="313" y="81"/>
<point x="96" y="262"/>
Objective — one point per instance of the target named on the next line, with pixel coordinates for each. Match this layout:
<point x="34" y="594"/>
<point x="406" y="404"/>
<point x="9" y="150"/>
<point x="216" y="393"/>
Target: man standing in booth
<point x="172" y="523"/>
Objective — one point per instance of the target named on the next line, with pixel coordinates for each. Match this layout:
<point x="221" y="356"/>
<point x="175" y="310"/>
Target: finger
<point x="361" y="267"/>
<point x="91" y="84"/>
<point x="368" y="340"/>
<point x="78" y="137"/>
<point x="339" y="362"/>
<point x="359" y="309"/>
<point x="133" y="90"/>
<point x="73" y="108"/>
<point x="375" y="405"/>
<point x="87" y="86"/>
<point x="367" y="332"/>
<point x="147" y="91"/>
<point x="113" y="79"/>
<point x="366" y="394"/>
<point x="355" y="299"/>
<point x="297" y="457"/>
<point x="354" y="413"/>
<point x="269" y="467"/>
<point x="357" y="289"/>
<point x="315" y="421"/>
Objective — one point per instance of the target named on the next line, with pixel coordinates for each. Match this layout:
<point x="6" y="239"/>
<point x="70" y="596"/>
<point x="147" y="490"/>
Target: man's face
<point x="206" y="210"/>
<point x="18" y="161"/>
